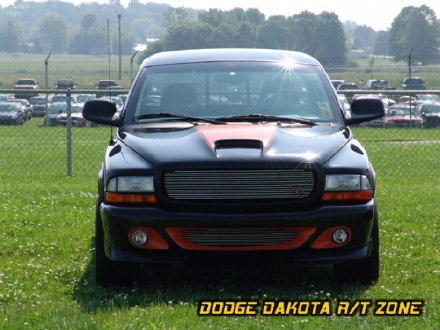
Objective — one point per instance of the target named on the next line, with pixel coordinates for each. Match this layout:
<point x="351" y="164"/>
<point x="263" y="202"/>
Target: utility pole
<point x="131" y="65"/>
<point x="46" y="86"/>
<point x="410" y="81"/>
<point x="410" y="61"/>
<point x="119" y="35"/>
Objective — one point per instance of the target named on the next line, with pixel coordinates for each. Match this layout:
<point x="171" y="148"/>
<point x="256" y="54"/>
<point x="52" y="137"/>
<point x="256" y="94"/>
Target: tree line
<point x="324" y="36"/>
<point x="320" y="35"/>
<point x="35" y="27"/>
<point x="82" y="29"/>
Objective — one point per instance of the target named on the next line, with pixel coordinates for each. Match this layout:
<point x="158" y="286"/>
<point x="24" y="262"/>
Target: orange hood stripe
<point x="213" y="133"/>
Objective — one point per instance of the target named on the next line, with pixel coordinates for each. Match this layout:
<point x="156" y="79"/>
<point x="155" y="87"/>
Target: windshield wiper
<point x="173" y="115"/>
<point x="261" y="117"/>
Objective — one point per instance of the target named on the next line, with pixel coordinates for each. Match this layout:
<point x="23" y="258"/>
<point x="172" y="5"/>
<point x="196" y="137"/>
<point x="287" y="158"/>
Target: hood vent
<point x="239" y="143"/>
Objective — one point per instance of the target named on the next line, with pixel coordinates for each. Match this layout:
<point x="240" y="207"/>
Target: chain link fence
<point x="71" y="147"/>
<point x="55" y="141"/>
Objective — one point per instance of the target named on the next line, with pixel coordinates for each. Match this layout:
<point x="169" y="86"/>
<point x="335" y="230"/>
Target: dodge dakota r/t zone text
<point x="235" y="154"/>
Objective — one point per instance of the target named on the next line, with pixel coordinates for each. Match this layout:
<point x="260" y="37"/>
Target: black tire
<point x="364" y="271"/>
<point x="110" y="273"/>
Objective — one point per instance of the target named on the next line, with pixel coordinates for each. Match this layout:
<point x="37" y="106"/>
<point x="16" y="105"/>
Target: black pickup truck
<point x="235" y="154"/>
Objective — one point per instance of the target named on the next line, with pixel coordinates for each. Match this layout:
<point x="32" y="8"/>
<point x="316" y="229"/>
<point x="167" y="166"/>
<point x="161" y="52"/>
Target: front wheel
<point x="108" y="272"/>
<point x="364" y="271"/>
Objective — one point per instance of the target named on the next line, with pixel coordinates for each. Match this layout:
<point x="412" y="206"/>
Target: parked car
<point x="54" y="110"/>
<point x="82" y="98"/>
<point x="347" y="86"/>
<point x="108" y="87"/>
<point x="407" y="99"/>
<point x="413" y="83"/>
<point x="336" y="82"/>
<point x="403" y="115"/>
<point x="377" y="84"/>
<point x="281" y="179"/>
<point x="26" y="107"/>
<point x="63" y="98"/>
<point x="427" y="97"/>
<point x="345" y="105"/>
<point x="386" y="99"/>
<point x="66" y="84"/>
<point x="38" y="105"/>
<point x="11" y="113"/>
<point x="123" y="97"/>
<point x="25" y="85"/>
<point x="430" y="113"/>
<point x="75" y="115"/>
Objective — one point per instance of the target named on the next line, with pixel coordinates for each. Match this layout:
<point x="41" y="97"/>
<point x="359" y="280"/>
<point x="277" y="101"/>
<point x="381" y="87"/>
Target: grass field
<point x="47" y="239"/>
<point x="85" y="69"/>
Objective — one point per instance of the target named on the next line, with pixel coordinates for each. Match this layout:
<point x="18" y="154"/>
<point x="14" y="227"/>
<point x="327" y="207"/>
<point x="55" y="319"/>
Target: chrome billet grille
<point x="239" y="184"/>
<point x="229" y="238"/>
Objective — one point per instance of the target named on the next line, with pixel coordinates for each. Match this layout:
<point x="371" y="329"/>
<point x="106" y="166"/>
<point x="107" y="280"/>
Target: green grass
<point x="47" y="239"/>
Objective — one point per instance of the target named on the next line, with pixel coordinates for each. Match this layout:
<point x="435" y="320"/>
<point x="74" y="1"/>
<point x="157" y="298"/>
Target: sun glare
<point x="287" y="64"/>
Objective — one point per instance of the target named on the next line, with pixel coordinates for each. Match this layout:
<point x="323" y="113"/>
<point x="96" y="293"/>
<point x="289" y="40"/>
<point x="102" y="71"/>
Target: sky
<point x="378" y="14"/>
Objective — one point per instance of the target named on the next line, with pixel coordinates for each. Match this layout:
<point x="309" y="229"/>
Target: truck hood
<point x="186" y="143"/>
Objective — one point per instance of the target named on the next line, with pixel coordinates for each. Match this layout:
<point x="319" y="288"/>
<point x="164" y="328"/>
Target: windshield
<point x="403" y="112"/>
<point x="414" y="81"/>
<point x="76" y="108"/>
<point x="430" y="108"/>
<point x="222" y="89"/>
<point x="38" y="101"/>
<point x="26" y="82"/>
<point x="65" y="83"/>
<point x="58" y="98"/>
<point x="8" y="107"/>
<point x="57" y="108"/>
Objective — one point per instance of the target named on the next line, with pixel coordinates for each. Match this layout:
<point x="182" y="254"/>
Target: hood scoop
<point x="238" y="143"/>
<point x="238" y="147"/>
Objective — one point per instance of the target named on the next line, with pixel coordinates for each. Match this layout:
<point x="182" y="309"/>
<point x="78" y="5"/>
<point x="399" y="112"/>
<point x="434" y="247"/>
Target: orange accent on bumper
<point x="325" y="241"/>
<point x="348" y="196"/>
<point x="130" y="198"/>
<point x="155" y="240"/>
<point x="302" y="235"/>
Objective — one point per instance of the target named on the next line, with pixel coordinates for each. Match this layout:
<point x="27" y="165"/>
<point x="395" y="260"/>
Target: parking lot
<point x="68" y="140"/>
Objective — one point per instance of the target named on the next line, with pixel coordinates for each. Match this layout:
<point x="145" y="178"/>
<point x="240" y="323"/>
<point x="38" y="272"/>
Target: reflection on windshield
<point x="213" y="90"/>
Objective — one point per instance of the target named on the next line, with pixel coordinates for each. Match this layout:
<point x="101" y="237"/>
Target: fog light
<point x="340" y="236"/>
<point x="139" y="237"/>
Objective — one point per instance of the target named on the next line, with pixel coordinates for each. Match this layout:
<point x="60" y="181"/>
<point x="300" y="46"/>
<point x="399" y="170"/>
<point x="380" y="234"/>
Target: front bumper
<point x="169" y="247"/>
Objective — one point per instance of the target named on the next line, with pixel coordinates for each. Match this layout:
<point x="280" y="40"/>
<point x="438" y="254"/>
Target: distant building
<point x="357" y="54"/>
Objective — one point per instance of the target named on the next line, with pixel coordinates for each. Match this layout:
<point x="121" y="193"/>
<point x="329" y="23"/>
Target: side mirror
<point x="101" y="112"/>
<point x="365" y="108"/>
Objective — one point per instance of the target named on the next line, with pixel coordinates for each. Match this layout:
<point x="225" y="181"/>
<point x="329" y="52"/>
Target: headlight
<point x="347" y="187"/>
<point x="131" y="184"/>
<point x="346" y="182"/>
<point x="130" y="189"/>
